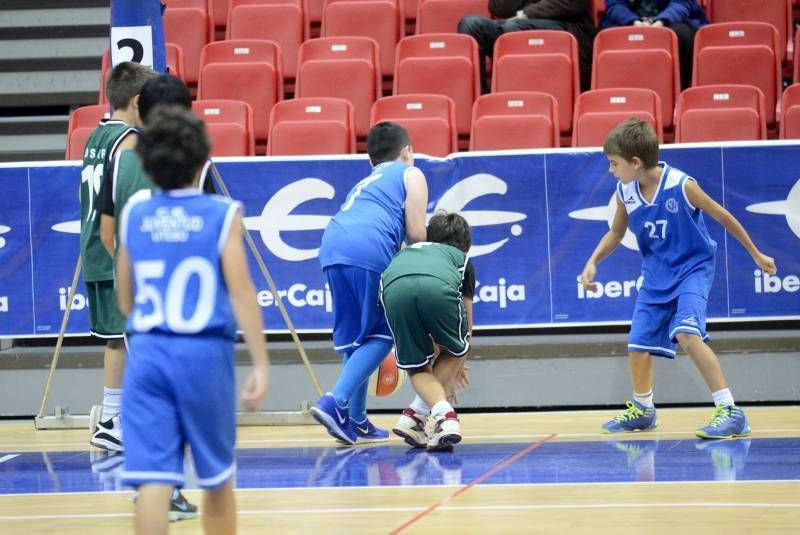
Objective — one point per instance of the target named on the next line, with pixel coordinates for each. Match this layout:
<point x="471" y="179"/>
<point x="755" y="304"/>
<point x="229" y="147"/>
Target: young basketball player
<point x="663" y="207"/>
<point x="182" y="279"/>
<point x="381" y="211"/>
<point x="426" y="293"/>
<point x="110" y="137"/>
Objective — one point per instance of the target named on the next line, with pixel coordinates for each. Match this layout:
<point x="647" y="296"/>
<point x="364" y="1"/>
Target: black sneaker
<point x="180" y="508"/>
<point x="108" y="435"/>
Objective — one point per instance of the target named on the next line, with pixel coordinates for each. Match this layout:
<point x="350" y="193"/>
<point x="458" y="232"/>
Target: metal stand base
<point x="62" y="419"/>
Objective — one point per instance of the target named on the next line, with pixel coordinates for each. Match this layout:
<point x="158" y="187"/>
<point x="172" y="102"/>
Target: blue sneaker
<point x="334" y="418"/>
<point x="367" y="433"/>
<point x="635" y="418"/>
<point x="728" y="422"/>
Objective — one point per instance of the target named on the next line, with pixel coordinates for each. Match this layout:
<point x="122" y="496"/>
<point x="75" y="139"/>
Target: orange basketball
<point x="388" y="378"/>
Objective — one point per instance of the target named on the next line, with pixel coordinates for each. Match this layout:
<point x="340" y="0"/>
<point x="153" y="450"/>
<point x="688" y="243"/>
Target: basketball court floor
<point x="545" y="472"/>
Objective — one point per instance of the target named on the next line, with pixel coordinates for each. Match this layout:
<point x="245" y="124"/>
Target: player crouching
<point x="426" y="293"/>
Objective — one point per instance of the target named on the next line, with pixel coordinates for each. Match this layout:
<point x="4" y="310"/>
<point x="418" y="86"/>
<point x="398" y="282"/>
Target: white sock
<point x="441" y="408"/>
<point x="112" y="401"/>
<point x="645" y="400"/>
<point x="722" y="398"/>
<point x="419" y="406"/>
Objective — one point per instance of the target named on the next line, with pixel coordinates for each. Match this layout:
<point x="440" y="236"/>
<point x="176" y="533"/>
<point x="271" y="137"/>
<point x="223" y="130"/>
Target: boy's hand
<point x="255" y="390"/>
<point x="766" y="263"/>
<point x="587" y="277"/>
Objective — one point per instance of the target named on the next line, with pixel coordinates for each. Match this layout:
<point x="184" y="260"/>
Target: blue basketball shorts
<point x="179" y="391"/>
<point x="357" y="314"/>
<point x="655" y="325"/>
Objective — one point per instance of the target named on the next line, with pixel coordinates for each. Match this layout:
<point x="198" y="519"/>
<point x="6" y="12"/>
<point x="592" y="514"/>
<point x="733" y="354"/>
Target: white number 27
<point x="657" y="229"/>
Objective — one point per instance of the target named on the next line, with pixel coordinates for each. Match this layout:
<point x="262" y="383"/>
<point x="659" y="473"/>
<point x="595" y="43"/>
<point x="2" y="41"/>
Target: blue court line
<point x="615" y="461"/>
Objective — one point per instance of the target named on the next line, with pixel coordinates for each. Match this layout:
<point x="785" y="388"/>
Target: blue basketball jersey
<point x="672" y="237"/>
<point x="370" y="226"/>
<point x="175" y="241"/>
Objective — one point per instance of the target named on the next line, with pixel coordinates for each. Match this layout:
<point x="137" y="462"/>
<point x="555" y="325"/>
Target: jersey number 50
<point x="168" y="309"/>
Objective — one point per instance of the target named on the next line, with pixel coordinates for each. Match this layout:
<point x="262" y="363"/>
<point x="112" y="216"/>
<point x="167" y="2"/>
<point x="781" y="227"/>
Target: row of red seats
<point x="506" y="120"/>
<point x="288" y="22"/>
<point x="547" y="61"/>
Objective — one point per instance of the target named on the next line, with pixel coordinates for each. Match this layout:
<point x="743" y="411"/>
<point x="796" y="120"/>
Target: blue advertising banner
<point x="535" y="217"/>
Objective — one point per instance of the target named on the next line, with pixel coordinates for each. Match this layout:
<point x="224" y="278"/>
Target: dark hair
<point x="163" y="89"/>
<point x="451" y="229"/>
<point x="633" y="137"/>
<point x="125" y="82"/>
<point x="385" y="142"/>
<point x="173" y="147"/>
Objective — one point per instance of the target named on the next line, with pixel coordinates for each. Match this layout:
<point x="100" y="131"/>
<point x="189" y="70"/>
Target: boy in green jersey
<point x="426" y="293"/>
<point x="111" y="136"/>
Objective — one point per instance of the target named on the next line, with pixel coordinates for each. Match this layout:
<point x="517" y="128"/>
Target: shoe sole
<point x="363" y="440"/>
<point x="106" y="445"/>
<point x="720" y="437"/>
<point x="409" y="439"/>
<point x="328" y="423"/>
<point x="175" y="516"/>
<point x="609" y="432"/>
<point x="446" y="442"/>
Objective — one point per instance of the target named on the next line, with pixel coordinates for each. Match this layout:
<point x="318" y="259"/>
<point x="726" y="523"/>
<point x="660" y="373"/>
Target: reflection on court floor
<point x="610" y="461"/>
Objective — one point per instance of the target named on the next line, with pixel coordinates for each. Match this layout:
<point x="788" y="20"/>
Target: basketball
<point x="388" y="378"/>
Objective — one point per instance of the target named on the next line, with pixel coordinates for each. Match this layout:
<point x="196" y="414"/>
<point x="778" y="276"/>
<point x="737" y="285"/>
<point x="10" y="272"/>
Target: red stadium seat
<point x="598" y="111"/>
<point x="230" y="126"/>
<point x="342" y="67"/>
<point x="280" y="21"/>
<point x="218" y="13"/>
<point x="82" y="123"/>
<point x="775" y="12"/>
<point x="203" y="5"/>
<point x="522" y="58"/>
<point x="796" y="62"/>
<point x="380" y="20"/>
<point x="444" y="64"/>
<point x="790" y="120"/>
<point x="739" y="53"/>
<point x="174" y="65"/>
<point x="309" y="126"/>
<point x="442" y="16"/>
<point x="639" y="56"/>
<point x="429" y="119"/>
<point x="514" y="120"/>
<point x="243" y="69"/>
<point x="720" y="113"/>
<point x="181" y="25"/>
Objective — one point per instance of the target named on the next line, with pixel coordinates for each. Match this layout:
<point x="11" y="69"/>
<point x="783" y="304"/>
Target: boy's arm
<point x="416" y="206"/>
<point x="248" y="315"/>
<point x="107" y="224"/>
<point x="607" y="244"/>
<point x="128" y="142"/>
<point x="123" y="282"/>
<point x="104" y="205"/>
<point x="701" y="200"/>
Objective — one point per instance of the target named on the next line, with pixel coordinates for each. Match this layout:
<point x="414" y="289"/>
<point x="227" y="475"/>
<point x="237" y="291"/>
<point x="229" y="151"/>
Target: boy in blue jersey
<point x="663" y="207"/>
<point x="380" y="211"/>
<point x="184" y="251"/>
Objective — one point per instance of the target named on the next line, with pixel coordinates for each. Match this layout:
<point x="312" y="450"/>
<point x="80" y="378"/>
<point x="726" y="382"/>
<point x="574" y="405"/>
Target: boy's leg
<point x="219" y="510"/>
<point x="649" y="335"/>
<point x="152" y="506"/>
<point x="688" y="328"/>
<point x="108" y="323"/>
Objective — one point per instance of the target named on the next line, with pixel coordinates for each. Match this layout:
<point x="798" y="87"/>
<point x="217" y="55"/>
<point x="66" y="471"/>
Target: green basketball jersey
<point x="439" y="260"/>
<point x="129" y="182"/>
<point x="97" y="265"/>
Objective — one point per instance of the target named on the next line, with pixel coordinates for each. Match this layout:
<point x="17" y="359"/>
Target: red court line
<point x="492" y="471"/>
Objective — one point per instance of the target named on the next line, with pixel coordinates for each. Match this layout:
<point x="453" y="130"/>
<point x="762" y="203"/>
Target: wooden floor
<point x="752" y="507"/>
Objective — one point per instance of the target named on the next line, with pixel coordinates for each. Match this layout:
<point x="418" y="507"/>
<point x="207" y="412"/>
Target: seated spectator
<point x="573" y="16"/>
<point x="684" y="17"/>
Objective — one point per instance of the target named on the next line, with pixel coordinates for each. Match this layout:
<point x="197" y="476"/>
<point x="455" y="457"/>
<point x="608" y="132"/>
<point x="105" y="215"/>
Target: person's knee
<point x="471" y="24"/>
<point x="686" y="340"/>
